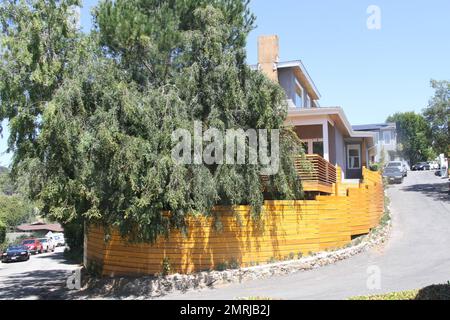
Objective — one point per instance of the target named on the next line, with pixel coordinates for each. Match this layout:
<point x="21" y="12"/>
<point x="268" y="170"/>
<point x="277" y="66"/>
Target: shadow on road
<point x="57" y="257"/>
<point x="45" y="285"/>
<point x="438" y="191"/>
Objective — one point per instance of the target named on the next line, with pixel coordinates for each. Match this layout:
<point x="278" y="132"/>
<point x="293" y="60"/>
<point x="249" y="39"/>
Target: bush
<point x="74" y="235"/>
<point x="2" y="232"/>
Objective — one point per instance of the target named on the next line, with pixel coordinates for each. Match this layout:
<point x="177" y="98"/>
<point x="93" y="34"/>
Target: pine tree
<point x="102" y="140"/>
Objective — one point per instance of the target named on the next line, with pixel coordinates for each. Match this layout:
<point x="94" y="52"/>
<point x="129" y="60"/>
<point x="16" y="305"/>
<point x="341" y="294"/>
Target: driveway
<point x="417" y="254"/>
<point x="42" y="277"/>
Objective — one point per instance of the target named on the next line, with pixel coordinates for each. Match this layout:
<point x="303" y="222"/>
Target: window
<point x="354" y="156"/>
<point x="307" y="102"/>
<point x="298" y="100"/>
<point x="318" y="148"/>
<point x="298" y="95"/>
<point x="387" y="137"/>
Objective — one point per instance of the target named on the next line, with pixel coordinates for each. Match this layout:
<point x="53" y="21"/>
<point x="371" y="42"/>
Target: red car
<point x="33" y="245"/>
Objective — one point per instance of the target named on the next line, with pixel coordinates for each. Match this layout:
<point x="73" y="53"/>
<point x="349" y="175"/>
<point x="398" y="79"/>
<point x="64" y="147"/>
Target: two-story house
<point x="386" y="140"/>
<point x="326" y="133"/>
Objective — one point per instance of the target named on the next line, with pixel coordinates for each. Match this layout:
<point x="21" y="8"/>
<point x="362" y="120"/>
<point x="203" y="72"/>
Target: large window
<point x="354" y="156"/>
<point x="387" y="137"/>
<point x="298" y="95"/>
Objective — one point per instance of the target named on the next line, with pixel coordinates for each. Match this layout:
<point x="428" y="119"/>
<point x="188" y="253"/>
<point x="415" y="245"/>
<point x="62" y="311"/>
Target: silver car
<point x="395" y="171"/>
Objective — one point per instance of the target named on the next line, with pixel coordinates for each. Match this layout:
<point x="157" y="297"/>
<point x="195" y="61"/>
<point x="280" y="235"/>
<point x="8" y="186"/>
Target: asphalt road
<point x="44" y="276"/>
<point x="417" y="254"/>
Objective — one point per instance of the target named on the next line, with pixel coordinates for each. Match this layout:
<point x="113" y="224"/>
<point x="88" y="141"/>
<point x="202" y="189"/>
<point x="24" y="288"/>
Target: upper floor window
<point x="298" y="100"/>
<point x="307" y="101"/>
<point x="387" y="137"/>
<point x="298" y="95"/>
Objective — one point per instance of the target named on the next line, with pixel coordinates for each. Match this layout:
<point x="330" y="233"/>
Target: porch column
<point x="326" y="148"/>
<point x="310" y="147"/>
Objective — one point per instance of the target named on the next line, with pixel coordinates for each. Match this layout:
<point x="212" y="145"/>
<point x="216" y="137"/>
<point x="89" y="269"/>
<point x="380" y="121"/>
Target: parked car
<point x="421" y="166"/>
<point x="406" y="168"/>
<point x="394" y="173"/>
<point x="59" y="239"/>
<point x="33" y="245"/>
<point x="434" y="165"/>
<point x="400" y="165"/>
<point x="16" y="253"/>
<point x="48" y="244"/>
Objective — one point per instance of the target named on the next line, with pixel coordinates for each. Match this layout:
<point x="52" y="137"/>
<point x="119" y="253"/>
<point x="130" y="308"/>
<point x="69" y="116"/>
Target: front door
<point x="354" y="161"/>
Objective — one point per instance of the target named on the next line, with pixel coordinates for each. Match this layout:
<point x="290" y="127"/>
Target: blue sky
<point x="370" y="73"/>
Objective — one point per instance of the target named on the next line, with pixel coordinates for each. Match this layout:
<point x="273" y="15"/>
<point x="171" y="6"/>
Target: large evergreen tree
<point x="96" y="143"/>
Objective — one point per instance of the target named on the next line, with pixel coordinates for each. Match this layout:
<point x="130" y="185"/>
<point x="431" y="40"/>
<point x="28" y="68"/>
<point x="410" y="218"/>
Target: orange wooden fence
<point x="286" y="229"/>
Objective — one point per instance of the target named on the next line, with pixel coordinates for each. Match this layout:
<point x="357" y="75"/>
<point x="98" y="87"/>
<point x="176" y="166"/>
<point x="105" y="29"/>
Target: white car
<point x="48" y="245"/>
<point x="434" y="165"/>
<point x="59" y="239"/>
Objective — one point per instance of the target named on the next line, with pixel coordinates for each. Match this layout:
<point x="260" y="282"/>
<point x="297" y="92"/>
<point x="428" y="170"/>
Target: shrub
<point x="2" y="232"/>
<point x="74" y="235"/>
<point x="166" y="267"/>
<point x="234" y="264"/>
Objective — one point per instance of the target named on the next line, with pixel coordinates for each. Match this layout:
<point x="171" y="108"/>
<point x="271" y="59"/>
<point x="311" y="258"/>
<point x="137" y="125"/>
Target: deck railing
<point x="316" y="173"/>
<point x="315" y="169"/>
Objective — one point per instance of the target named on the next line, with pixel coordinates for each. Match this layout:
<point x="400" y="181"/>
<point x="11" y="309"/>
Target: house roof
<point x="40" y="226"/>
<point x="374" y="127"/>
<point x="337" y="115"/>
<point x="301" y="72"/>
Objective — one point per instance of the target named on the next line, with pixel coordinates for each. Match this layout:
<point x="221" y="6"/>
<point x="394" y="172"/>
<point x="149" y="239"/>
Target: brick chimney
<point x="268" y="55"/>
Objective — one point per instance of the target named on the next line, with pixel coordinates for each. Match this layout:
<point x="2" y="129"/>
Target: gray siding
<point x="287" y="81"/>
<point x="340" y="151"/>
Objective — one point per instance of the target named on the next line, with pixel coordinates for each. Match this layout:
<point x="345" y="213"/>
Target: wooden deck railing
<point x="316" y="174"/>
<point x="315" y="171"/>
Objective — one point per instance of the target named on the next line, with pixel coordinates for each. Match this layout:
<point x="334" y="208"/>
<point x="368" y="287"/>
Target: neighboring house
<point x="40" y="229"/>
<point x="326" y="133"/>
<point x="386" y="140"/>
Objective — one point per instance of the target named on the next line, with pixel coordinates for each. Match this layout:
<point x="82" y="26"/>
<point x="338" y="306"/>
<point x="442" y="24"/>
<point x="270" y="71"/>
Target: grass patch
<point x="435" y="292"/>
<point x="405" y="295"/>
<point x="257" y="299"/>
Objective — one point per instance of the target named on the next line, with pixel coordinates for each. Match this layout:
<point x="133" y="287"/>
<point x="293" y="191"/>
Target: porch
<point x="326" y="133"/>
<point x="317" y="174"/>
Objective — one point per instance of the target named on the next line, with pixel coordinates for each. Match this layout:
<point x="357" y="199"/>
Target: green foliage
<point x="91" y="116"/>
<point x="414" y="136"/>
<point x="405" y="295"/>
<point x="233" y="264"/>
<point x="74" y="234"/>
<point x="166" y="267"/>
<point x="434" y="292"/>
<point x="437" y="114"/>
<point x="15" y="210"/>
<point x="7" y="186"/>
<point x="3" y="230"/>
